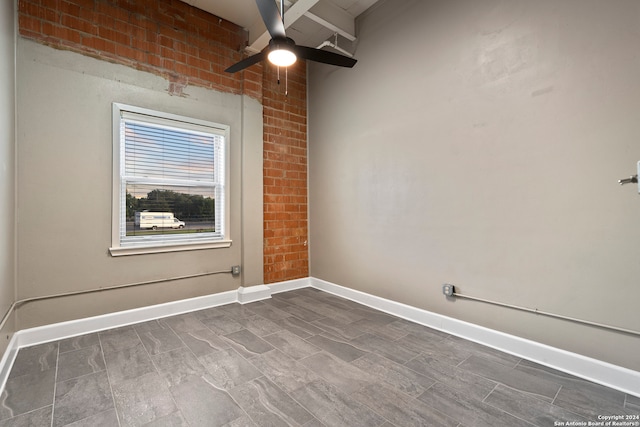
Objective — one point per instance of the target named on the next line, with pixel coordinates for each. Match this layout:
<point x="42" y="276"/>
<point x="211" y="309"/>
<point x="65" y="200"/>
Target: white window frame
<point x="121" y="245"/>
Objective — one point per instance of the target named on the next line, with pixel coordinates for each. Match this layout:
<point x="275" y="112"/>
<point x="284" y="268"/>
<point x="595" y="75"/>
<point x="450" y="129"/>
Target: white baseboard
<point x="62" y="330"/>
<point x="72" y="328"/>
<point x="600" y="372"/>
<point x="253" y="293"/>
<point x="597" y="371"/>
<point x="7" y="361"/>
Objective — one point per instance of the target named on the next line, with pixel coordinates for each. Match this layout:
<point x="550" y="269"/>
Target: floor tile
<point x="579" y="395"/>
<point x="228" y="369"/>
<point x="76" y="363"/>
<point x="394" y="374"/>
<point x="277" y="303"/>
<point x="79" y="342"/>
<point x="284" y="296"/>
<point x="386" y="331"/>
<point x="522" y="381"/>
<point x="151" y="325"/>
<point x="333" y="407"/>
<point x="373" y="316"/>
<point x="38" y="358"/>
<point x="259" y="326"/>
<point x="247" y="343"/>
<point x="264" y="309"/>
<point x="468" y="411"/>
<point x="284" y="371"/>
<point x="184" y="323"/>
<point x="127" y="364"/>
<point x="485" y="352"/>
<point x="301" y="313"/>
<point x="174" y="419"/>
<point x="27" y="392"/>
<point x="442" y="349"/>
<point x="118" y="339"/>
<point x="222" y="324"/>
<point x="336" y="346"/>
<point x="326" y="310"/>
<point x="80" y="398"/>
<point x="342" y="330"/>
<point x="235" y="311"/>
<point x="177" y="365"/>
<point x="475" y="386"/>
<point x="304" y="358"/>
<point x="298" y="326"/>
<point x="291" y="344"/>
<point x="529" y="408"/>
<point x="203" y="404"/>
<point x="590" y="400"/>
<point x="107" y="418"/>
<point x="142" y="400"/>
<point x="558" y="377"/>
<point x="242" y="421"/>
<point x="632" y="403"/>
<point x="400" y="409"/>
<point x="203" y="341"/>
<point x="347" y="377"/>
<point x="268" y="405"/>
<point x="38" y="417"/>
<point x="391" y="349"/>
<point x="418" y="330"/>
<point x="160" y="340"/>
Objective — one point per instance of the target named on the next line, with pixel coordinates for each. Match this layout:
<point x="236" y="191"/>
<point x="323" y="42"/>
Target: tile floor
<point x="302" y="358"/>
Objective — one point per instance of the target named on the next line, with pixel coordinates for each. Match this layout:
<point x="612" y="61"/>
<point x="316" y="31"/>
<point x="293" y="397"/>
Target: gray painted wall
<point x="65" y="187"/>
<point x="7" y="164"/>
<point x="479" y="143"/>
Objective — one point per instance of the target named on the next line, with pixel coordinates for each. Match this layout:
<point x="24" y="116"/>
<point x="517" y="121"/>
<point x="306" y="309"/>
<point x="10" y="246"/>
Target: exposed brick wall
<point x="188" y="46"/>
<point x="286" y="254"/>
<point x="167" y="37"/>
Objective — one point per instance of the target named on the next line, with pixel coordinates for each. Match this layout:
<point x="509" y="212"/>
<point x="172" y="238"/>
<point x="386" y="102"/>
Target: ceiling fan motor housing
<point x="281" y="51"/>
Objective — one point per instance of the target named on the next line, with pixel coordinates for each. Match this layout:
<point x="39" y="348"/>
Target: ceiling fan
<point x="283" y="51"/>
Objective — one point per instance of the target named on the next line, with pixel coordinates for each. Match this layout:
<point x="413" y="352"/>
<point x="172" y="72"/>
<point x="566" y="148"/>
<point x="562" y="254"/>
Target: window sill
<point x="157" y="249"/>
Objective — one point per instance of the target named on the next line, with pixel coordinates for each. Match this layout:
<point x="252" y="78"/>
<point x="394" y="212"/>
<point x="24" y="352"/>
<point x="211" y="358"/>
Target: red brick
<point x="29" y="24"/>
<point x="79" y="24"/>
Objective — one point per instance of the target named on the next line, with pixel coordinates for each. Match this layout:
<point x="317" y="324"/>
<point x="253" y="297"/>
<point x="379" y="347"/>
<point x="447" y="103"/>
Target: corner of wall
<point x="8" y="193"/>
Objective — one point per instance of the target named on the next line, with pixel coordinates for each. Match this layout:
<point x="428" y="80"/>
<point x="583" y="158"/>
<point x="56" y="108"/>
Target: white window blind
<point x="171" y="180"/>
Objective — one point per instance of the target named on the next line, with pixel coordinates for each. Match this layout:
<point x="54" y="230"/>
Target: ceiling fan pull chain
<point x="286" y="81"/>
<point x="278" y="67"/>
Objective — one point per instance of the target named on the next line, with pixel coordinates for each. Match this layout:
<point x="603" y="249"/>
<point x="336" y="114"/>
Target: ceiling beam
<point x="297" y="10"/>
<point x="334" y="18"/>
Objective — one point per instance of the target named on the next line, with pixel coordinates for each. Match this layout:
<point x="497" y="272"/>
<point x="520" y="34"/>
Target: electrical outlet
<point x="448" y="290"/>
<point x="235" y="270"/>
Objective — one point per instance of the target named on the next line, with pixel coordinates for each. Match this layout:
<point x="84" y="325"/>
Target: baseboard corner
<point x="253" y="293"/>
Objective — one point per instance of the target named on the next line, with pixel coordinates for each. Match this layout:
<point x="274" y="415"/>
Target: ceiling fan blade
<point x="271" y="17"/>
<point x="247" y="62"/>
<point x="324" y="56"/>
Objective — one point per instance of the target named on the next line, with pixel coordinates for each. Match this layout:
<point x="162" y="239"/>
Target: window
<point x="169" y="182"/>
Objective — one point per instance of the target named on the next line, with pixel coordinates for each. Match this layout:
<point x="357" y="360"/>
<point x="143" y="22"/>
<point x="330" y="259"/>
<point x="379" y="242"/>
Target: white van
<point x="155" y="220"/>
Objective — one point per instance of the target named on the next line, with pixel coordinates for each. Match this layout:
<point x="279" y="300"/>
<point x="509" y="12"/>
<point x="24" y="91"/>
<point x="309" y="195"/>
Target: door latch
<point x="631" y="180"/>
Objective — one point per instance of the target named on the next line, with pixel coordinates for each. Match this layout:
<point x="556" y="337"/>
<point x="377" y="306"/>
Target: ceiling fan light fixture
<point x="283" y="51"/>
<point x="282" y="57"/>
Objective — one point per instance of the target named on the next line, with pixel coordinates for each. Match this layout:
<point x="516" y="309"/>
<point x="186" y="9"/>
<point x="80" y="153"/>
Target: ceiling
<point x="308" y="22"/>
